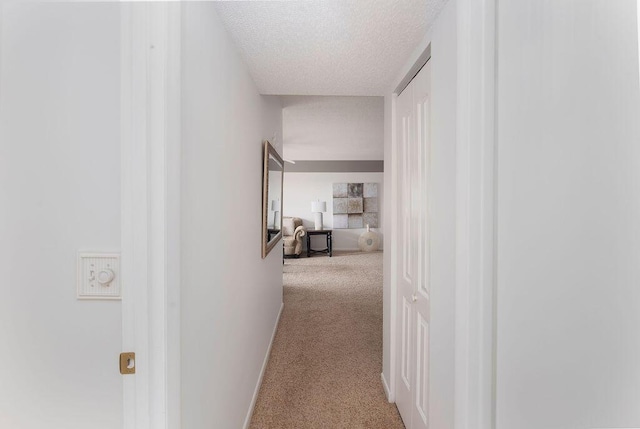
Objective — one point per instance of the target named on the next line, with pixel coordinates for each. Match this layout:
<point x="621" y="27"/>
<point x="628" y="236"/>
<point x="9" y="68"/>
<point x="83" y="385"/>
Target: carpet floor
<point x="326" y="359"/>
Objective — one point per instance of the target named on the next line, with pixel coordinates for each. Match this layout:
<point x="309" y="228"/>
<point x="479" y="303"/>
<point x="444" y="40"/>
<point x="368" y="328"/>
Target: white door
<point x="413" y="139"/>
<point x="407" y="256"/>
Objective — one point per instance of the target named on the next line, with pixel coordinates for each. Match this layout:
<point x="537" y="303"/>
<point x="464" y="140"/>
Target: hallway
<point x="492" y="146"/>
<point x="325" y="364"/>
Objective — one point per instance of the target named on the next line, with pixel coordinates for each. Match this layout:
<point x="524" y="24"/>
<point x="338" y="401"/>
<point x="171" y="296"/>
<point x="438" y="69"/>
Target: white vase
<point x="369" y="241"/>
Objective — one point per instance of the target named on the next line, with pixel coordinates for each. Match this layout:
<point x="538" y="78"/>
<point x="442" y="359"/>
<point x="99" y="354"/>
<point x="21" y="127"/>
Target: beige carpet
<point x="326" y="360"/>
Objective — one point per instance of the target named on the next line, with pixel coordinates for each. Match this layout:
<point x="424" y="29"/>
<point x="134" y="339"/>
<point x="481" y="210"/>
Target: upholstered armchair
<point x="292" y="233"/>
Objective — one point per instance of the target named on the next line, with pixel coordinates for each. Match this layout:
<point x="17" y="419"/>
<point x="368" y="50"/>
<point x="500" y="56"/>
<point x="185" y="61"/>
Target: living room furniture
<point x="273" y="232"/>
<point x="292" y="232"/>
<point x="327" y="234"/>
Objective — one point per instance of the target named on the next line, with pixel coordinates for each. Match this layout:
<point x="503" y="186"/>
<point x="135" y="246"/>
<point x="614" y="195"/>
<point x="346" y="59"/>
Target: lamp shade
<point x="275" y="205"/>
<point x="318" y="206"/>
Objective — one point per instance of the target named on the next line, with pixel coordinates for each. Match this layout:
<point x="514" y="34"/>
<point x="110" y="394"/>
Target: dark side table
<point x="327" y="234"/>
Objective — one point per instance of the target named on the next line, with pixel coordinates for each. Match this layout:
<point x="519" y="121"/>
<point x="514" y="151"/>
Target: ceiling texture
<point x="327" y="47"/>
<point x="332" y="128"/>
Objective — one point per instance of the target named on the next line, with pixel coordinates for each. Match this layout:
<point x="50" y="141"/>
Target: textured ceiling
<point x="333" y="128"/>
<point x="327" y="47"/>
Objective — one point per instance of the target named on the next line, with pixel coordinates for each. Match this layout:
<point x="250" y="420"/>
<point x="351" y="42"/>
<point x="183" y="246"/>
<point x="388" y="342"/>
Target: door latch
<point x="127" y="363"/>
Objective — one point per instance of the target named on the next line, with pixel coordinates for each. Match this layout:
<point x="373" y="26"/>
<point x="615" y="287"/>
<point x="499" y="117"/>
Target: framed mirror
<point x="272" y="179"/>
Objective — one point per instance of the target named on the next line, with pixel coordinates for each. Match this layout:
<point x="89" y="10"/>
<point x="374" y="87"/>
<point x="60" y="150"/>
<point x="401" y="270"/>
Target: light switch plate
<point x="99" y="275"/>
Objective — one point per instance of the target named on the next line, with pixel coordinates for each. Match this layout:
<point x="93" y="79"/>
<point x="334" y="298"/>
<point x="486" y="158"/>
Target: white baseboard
<point x="247" y="420"/>
<point x="353" y="250"/>
<point x="385" y="386"/>
<point x="343" y="249"/>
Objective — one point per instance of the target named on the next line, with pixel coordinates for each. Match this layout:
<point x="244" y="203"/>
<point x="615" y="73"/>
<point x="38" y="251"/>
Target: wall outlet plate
<point x="99" y="276"/>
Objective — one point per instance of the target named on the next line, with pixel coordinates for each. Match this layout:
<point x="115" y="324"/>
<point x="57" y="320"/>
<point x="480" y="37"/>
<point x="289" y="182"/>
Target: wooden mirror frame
<point x="268" y="244"/>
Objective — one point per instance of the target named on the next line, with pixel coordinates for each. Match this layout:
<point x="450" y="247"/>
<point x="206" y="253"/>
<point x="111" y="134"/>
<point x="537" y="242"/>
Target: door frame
<point x="150" y="211"/>
<point x="476" y="210"/>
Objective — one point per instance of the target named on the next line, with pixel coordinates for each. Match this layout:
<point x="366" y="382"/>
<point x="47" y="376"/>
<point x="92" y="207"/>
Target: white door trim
<point x="392" y="214"/>
<point x="150" y="196"/>
<point x="638" y="24"/>
<point x="475" y="216"/>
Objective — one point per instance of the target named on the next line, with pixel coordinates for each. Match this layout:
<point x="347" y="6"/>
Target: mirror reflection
<point x="272" y="199"/>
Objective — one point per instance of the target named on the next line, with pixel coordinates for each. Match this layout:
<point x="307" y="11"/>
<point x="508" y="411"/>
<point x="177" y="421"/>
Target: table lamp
<point x="318" y="207"/>
<point x="275" y="207"/>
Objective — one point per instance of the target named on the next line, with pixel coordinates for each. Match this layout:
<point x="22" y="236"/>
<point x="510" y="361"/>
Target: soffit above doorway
<point x="327" y="47"/>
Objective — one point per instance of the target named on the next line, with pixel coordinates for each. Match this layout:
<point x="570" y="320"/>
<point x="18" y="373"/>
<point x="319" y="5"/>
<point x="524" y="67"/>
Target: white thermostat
<point x="99" y="275"/>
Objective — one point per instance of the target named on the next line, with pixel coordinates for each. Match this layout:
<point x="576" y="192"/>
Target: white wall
<point x="230" y="296"/>
<point x="333" y="128"/>
<point x="442" y="37"/>
<point x="443" y="209"/>
<point x="568" y="209"/>
<point x="59" y="192"/>
<point x="302" y="188"/>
